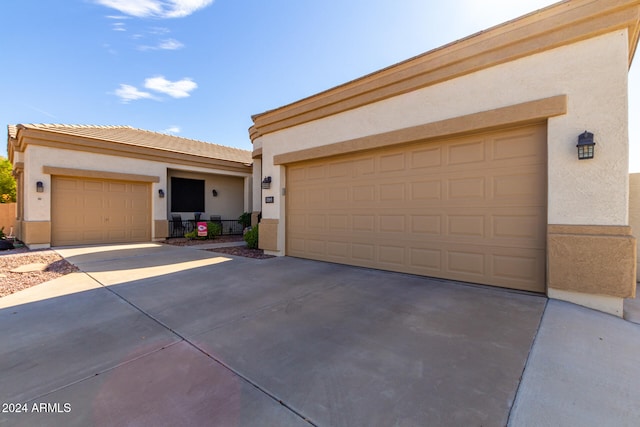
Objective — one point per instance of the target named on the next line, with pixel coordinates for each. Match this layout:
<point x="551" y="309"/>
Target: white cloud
<point x="172" y="129"/>
<point x="128" y="93"/>
<point x="168" y="44"/>
<point x="177" y="89"/>
<point x="118" y="26"/>
<point x="156" y="8"/>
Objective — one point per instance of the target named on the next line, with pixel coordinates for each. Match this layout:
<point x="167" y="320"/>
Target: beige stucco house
<point x="110" y="184"/>
<point x="461" y="163"/>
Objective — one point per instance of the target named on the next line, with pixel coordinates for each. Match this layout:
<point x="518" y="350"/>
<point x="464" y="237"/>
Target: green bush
<point x="213" y="229"/>
<point x="251" y="237"/>
<point x="245" y="219"/>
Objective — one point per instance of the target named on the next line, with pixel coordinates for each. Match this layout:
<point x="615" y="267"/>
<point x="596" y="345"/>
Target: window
<point x="187" y="195"/>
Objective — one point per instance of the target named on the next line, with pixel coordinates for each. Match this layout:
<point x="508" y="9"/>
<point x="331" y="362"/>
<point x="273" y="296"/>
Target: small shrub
<point x="245" y="219"/>
<point x="251" y="237"/>
<point x="2" y="235"/>
<point x="213" y="229"/>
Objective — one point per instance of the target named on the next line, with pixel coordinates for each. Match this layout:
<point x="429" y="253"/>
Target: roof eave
<point x="554" y="26"/>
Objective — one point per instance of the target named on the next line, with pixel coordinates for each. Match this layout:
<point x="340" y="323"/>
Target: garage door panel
<point x="395" y="255"/>
<point x="427" y="158"/>
<point x="465" y="153"/>
<point x="93" y="211"/>
<point x="392" y="162"/>
<point x="461" y="263"/>
<point x="469" y="209"/>
<point x="426" y="224"/>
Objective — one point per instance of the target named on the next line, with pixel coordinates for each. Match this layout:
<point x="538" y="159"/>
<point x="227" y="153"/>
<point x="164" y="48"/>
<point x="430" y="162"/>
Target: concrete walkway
<point x="160" y="335"/>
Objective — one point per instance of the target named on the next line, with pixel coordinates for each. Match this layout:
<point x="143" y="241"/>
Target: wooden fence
<point x="8" y="217"/>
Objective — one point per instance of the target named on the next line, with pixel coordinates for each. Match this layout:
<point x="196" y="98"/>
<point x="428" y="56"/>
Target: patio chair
<point x="177" y="226"/>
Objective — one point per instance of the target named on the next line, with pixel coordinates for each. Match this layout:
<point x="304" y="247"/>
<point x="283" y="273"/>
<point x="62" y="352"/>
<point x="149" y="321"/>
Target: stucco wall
<point x="8" y="217"/>
<point x="593" y="75"/>
<point x="229" y="203"/>
<point x="634" y="211"/>
<point x="37" y="206"/>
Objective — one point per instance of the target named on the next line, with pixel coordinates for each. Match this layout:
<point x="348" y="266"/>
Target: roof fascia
<point x="42" y="137"/>
<point x="557" y="25"/>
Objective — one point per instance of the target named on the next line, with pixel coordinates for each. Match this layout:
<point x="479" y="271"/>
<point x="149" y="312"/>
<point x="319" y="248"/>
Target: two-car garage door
<point x="470" y="209"/>
<point x="92" y="211"/>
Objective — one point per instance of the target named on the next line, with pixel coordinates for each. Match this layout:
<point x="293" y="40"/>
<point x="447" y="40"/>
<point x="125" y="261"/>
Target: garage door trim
<point x="514" y="115"/>
<point x="86" y="173"/>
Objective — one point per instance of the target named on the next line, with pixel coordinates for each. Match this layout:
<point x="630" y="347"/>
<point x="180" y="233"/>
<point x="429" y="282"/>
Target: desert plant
<point x="251" y="237"/>
<point x="245" y="219"/>
<point x="2" y="235"/>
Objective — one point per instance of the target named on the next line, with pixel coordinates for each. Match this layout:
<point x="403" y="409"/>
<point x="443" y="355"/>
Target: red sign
<point x="202" y="229"/>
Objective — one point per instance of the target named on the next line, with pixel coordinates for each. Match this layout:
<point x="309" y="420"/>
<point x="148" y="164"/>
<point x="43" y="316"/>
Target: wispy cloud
<point x="46" y="113"/>
<point x="128" y="93"/>
<point x="177" y="89"/>
<point x="168" y="44"/>
<point x="110" y="49"/>
<point x="172" y="129"/>
<point x="156" y="8"/>
<point x="118" y="26"/>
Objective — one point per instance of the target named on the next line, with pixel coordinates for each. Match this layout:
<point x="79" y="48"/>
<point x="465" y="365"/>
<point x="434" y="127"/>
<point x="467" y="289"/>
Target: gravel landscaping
<point x="240" y="250"/>
<point x="11" y="281"/>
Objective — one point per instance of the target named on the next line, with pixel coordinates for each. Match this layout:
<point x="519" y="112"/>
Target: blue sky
<point x="200" y="68"/>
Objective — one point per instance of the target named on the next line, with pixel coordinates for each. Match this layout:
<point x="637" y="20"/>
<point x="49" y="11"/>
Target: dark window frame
<point x="187" y="195"/>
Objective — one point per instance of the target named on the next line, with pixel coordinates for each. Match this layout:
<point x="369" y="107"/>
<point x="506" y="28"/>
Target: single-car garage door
<point x="92" y="211"/>
<point x="470" y="209"/>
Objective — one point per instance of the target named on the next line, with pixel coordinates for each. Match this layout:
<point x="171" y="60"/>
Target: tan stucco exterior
<point x="43" y="153"/>
<point x="599" y="260"/>
<point x="571" y="58"/>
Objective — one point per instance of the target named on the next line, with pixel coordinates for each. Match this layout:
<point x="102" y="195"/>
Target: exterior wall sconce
<point x="266" y="182"/>
<point x="585" y="146"/>
<point x="161" y="193"/>
<point x="214" y="193"/>
<point x="39" y="187"/>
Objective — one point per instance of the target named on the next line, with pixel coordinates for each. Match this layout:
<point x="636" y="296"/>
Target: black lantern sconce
<point x="161" y="193"/>
<point x="586" y="146"/>
<point x="39" y="187"/>
<point x="214" y="193"/>
<point x="266" y="182"/>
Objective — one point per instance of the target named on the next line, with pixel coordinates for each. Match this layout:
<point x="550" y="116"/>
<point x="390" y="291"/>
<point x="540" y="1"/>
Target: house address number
<point x="268" y="199"/>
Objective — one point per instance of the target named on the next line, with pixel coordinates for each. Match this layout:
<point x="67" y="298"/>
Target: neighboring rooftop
<point x="130" y="136"/>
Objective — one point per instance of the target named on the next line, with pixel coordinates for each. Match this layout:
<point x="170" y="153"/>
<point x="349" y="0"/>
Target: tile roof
<point x="128" y="135"/>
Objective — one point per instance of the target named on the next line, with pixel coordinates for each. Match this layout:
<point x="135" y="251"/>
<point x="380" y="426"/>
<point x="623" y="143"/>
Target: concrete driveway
<point x="153" y="335"/>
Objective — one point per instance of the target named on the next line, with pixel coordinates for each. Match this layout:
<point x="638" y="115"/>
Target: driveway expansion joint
<point x="219" y="362"/>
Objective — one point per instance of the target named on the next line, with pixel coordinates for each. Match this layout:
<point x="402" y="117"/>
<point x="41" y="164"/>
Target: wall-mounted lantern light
<point x="586" y="146"/>
<point x="214" y="193"/>
<point x="266" y="182"/>
<point x="39" y="187"/>
<point x="161" y="193"/>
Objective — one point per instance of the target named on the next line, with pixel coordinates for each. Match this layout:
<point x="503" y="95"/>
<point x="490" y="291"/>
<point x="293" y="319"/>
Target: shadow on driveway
<point x="158" y="335"/>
